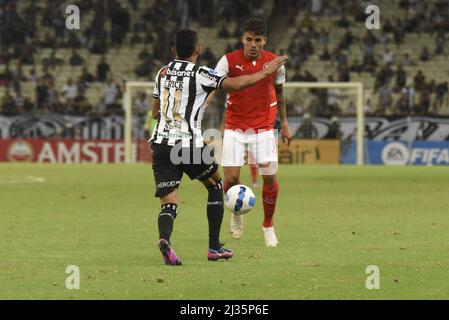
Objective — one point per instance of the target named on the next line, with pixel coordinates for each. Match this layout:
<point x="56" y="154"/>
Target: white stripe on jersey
<point x="182" y="90"/>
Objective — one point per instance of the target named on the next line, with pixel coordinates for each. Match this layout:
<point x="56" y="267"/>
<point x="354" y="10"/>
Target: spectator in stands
<point x="86" y="76"/>
<point x="209" y="57"/>
<point x="307" y="130"/>
<point x="425" y="54"/>
<point x="385" y="99"/>
<point x="388" y="56"/>
<point x="343" y="75"/>
<point x="399" y="32"/>
<point x="423" y="105"/>
<point x="103" y="70"/>
<point x="401" y="78"/>
<point x="369" y="108"/>
<point x="441" y="92"/>
<point x="27" y="53"/>
<point x="401" y="107"/>
<point x="440" y="43"/>
<point x="325" y="56"/>
<point x="343" y="22"/>
<point x="5" y="55"/>
<point x="356" y="67"/>
<point x="53" y="103"/>
<point x="223" y="33"/>
<point x="69" y="92"/>
<point x="141" y="104"/>
<point x="346" y="41"/>
<point x="323" y="37"/>
<point x="144" y="54"/>
<point x="409" y="94"/>
<point x="52" y="61"/>
<point x="76" y="59"/>
<point x="335" y="129"/>
<point x="41" y="94"/>
<point x="383" y="77"/>
<point x="308" y="77"/>
<point x="297" y="76"/>
<point x="6" y="77"/>
<point x="111" y="94"/>
<point x="80" y="105"/>
<point x="7" y="103"/>
<point x="137" y="39"/>
<point x="388" y="27"/>
<point x="419" y="81"/>
<point x="406" y="61"/>
<point x="145" y="69"/>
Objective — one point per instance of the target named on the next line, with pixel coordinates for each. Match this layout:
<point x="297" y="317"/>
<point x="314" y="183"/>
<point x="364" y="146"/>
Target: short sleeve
<point x="280" y="76"/>
<point x="156" y="91"/>
<point x="223" y="66"/>
<point x="209" y="79"/>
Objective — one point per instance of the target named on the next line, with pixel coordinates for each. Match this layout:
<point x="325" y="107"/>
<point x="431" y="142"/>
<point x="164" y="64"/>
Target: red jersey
<point x="254" y="107"/>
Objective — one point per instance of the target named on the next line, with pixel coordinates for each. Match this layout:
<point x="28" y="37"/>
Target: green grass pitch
<point x="332" y="222"/>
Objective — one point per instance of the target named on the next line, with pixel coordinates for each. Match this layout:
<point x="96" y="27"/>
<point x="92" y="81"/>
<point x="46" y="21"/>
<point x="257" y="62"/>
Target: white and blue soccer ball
<point x="240" y="199"/>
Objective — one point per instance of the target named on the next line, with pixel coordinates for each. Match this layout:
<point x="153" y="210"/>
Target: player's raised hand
<point x="274" y="64"/>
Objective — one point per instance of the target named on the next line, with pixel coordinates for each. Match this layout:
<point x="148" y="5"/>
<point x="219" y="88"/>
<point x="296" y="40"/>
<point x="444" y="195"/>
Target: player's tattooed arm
<point x="155" y="109"/>
<point x="286" y="134"/>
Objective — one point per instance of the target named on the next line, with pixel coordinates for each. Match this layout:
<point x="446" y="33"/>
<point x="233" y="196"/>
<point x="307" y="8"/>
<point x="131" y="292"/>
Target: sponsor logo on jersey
<point x="239" y="66"/>
<point x="206" y="74"/>
<point x="178" y="73"/>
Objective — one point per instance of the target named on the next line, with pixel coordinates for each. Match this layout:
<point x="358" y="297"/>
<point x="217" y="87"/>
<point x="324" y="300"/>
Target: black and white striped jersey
<point x="182" y="88"/>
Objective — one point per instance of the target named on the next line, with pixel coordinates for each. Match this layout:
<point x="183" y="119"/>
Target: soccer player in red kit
<point x="250" y="117"/>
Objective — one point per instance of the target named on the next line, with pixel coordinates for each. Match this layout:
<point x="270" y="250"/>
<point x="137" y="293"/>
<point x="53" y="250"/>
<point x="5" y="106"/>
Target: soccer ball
<point x="240" y="199"/>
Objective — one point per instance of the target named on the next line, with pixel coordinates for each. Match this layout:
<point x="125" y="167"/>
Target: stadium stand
<point x="45" y="67"/>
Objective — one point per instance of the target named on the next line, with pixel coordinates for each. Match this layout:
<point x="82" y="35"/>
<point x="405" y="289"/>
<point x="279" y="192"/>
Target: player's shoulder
<point x="270" y="55"/>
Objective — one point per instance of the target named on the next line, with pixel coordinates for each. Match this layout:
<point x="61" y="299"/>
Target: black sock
<point x="166" y="219"/>
<point x="215" y="214"/>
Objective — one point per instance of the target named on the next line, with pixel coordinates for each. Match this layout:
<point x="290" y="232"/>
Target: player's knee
<point x="269" y="180"/>
<point x="170" y="197"/>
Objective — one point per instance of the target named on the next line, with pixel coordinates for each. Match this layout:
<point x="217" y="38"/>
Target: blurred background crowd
<point x="46" y="68"/>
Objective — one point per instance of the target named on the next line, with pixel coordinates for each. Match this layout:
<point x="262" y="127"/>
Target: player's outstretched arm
<point x="242" y="82"/>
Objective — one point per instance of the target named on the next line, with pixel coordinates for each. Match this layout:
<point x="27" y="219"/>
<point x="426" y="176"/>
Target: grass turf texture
<point x="332" y="222"/>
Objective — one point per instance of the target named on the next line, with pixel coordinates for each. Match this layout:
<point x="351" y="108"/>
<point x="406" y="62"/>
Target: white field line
<point x="27" y="179"/>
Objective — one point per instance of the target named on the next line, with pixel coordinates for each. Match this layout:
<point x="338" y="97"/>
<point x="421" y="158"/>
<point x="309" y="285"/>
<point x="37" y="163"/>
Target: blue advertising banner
<point x="399" y="153"/>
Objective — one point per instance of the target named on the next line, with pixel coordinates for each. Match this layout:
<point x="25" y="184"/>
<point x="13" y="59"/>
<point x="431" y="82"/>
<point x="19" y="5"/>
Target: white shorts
<point x="236" y="143"/>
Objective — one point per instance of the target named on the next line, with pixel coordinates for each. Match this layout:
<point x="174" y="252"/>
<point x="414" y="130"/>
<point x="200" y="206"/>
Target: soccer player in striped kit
<point x="181" y="88"/>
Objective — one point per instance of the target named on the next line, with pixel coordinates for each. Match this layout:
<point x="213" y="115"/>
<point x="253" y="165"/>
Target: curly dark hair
<point x="255" y="25"/>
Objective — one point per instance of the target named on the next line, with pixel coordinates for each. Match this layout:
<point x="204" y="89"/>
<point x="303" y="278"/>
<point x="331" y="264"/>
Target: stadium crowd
<point x="25" y="32"/>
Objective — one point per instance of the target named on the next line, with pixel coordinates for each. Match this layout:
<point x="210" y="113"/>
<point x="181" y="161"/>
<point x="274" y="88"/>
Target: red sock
<point x="269" y="196"/>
